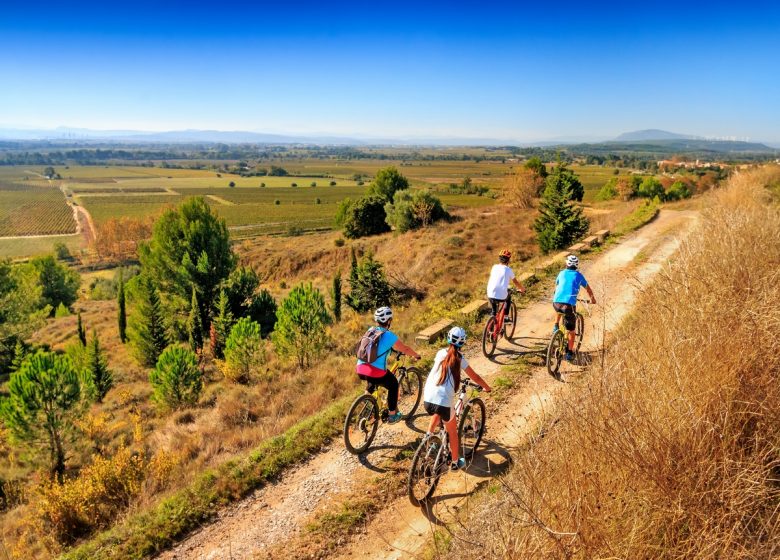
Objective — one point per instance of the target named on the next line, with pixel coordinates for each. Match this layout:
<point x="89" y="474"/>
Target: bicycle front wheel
<point x="580" y="332"/>
<point x="409" y="391"/>
<point x="361" y="424"/>
<point x="471" y="428"/>
<point x="488" y="338"/>
<point x="555" y="351"/>
<point x="424" y="472"/>
<point x="509" y="327"/>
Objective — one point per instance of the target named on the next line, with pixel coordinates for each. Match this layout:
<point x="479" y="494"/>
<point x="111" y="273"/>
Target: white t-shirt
<point x="444" y="394"/>
<point x="498" y="285"/>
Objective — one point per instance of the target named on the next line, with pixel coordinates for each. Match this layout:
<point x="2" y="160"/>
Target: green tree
<point x="194" y="326"/>
<point x="21" y="351"/>
<point x="176" y="379"/>
<point x="81" y="332"/>
<point x="148" y="332"/>
<point x="535" y="164"/>
<point x="677" y="191"/>
<point x="564" y="180"/>
<point x="414" y="210"/>
<point x="368" y="284"/>
<point x="651" y="187"/>
<point x="366" y="216"/>
<point x="609" y="191"/>
<point x="223" y="322"/>
<point x="301" y="322"/>
<point x="242" y="351"/>
<point x="122" y="311"/>
<point x="560" y="221"/>
<point x="43" y="402"/>
<point x="21" y="310"/>
<point x="99" y="379"/>
<point x="59" y="284"/>
<point x="190" y="245"/>
<point x="262" y="310"/>
<point x="61" y="311"/>
<point x="335" y="295"/>
<point x="62" y="252"/>
<point x="342" y="212"/>
<point x="387" y="182"/>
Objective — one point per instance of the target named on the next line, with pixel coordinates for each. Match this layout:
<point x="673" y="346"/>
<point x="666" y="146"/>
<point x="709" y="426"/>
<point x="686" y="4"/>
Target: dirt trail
<point x="278" y="512"/>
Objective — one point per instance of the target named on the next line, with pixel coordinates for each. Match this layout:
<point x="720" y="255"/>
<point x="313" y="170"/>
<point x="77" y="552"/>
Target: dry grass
<point x="672" y="449"/>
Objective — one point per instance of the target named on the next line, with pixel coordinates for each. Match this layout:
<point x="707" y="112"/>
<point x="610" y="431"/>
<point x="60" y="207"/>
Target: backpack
<point x="368" y="345"/>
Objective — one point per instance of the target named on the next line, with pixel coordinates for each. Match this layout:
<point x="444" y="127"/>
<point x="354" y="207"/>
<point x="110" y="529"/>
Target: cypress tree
<point x="82" y="333"/>
<point x="122" y="318"/>
<point x="222" y="324"/>
<point x="100" y="378"/>
<point x="149" y="334"/>
<point x="560" y="221"/>
<point x="336" y="295"/>
<point x="194" y="324"/>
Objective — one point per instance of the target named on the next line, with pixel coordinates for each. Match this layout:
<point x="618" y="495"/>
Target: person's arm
<point x="518" y="285"/>
<point x="590" y="293"/>
<point x="477" y="379"/>
<point x="404" y="349"/>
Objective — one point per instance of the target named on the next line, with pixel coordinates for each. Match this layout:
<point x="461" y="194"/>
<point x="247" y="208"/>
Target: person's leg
<point x="493" y="307"/>
<point x="452" y="431"/>
<point x="507" y="305"/>
<point x="390" y="383"/>
<point x="434" y="423"/>
<point x="570" y="322"/>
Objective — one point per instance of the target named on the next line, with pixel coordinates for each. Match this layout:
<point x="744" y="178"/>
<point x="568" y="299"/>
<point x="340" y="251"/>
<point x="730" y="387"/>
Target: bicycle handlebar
<point x="469" y="383"/>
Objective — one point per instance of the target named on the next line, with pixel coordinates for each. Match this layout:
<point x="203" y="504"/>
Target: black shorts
<point x="569" y="317"/>
<point x="443" y="411"/>
<point x="495" y="303"/>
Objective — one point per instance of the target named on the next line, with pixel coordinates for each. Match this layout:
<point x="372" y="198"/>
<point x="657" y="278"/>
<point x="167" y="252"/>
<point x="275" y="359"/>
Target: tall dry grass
<point x="672" y="449"/>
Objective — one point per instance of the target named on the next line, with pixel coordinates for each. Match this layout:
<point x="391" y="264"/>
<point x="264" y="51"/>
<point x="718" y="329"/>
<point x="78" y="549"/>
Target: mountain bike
<point x="556" y="348"/>
<point x="499" y="324"/>
<point x="370" y="408"/>
<point x="433" y="457"/>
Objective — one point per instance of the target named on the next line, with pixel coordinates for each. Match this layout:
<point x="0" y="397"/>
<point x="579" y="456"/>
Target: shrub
<point x="339" y="242"/>
<point x="412" y="211"/>
<point x="609" y="191"/>
<point x="176" y="379"/>
<point x="677" y="191"/>
<point x="242" y="351"/>
<point x="522" y="187"/>
<point x="317" y="201"/>
<point x="294" y="231"/>
<point x="368" y="284"/>
<point x="651" y="187"/>
<point x="387" y="182"/>
<point x="62" y="252"/>
<point x="342" y="211"/>
<point x="301" y="322"/>
<point x="366" y="216"/>
<point x="455" y="241"/>
<point x="313" y="184"/>
<point x="277" y="202"/>
<point x="262" y="185"/>
<point x="333" y="183"/>
<point x="61" y="311"/>
<point x="232" y="184"/>
<point x="294" y="184"/>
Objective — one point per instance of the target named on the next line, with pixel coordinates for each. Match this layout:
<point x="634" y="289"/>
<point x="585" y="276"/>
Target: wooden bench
<point x="578" y="247"/>
<point x="602" y="235"/>
<point x="526" y="278"/>
<point x="591" y="241"/>
<point x="560" y="257"/>
<point x="476" y="306"/>
<point x="434" y="331"/>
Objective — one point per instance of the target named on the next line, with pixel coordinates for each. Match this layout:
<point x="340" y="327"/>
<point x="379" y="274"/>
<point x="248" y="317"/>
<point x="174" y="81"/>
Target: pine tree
<point x="122" y="318"/>
<point x="100" y="378"/>
<point x="336" y="295"/>
<point x="301" y="324"/>
<point x="81" y="331"/>
<point x="176" y="379"/>
<point x="148" y="332"/>
<point x="194" y="324"/>
<point x="20" y="353"/>
<point x="560" y="221"/>
<point x="222" y="324"/>
<point x="368" y="286"/>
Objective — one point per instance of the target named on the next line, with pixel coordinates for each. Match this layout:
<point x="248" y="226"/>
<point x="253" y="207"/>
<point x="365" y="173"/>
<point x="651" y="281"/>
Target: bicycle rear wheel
<point x="555" y="352"/>
<point x="409" y="390"/>
<point x="509" y="327"/>
<point x="424" y="472"/>
<point x="361" y="424"/>
<point x="488" y="338"/>
<point x="580" y="332"/>
<point x="471" y="428"/>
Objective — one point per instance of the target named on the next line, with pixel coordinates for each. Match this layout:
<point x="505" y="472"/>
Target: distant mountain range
<point x="652" y="134"/>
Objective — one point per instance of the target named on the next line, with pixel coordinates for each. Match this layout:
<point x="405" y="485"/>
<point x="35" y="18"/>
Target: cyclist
<point x="498" y="284"/>
<point x="567" y="287"/>
<point x="442" y="384"/>
<point x="376" y="371"/>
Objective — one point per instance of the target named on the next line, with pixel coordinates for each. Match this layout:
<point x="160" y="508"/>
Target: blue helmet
<point x="456" y="337"/>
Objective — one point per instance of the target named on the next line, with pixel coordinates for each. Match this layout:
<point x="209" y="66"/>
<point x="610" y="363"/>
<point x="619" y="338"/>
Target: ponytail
<point x="451" y="364"/>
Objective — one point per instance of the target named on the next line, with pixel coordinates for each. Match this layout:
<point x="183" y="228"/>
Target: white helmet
<point x="456" y="337"/>
<point x="383" y="315"/>
<point x="572" y="261"/>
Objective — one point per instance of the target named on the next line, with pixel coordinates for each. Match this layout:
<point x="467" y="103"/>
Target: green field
<point x="30" y="210"/>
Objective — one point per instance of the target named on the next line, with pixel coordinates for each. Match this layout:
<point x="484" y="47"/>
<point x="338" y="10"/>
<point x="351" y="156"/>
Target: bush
<point x="59" y="284"/>
<point x="677" y="191"/>
<point x="243" y="352"/>
<point x="317" y="201"/>
<point x="368" y="284"/>
<point x="294" y="231"/>
<point x="522" y="187"/>
<point x="333" y="183"/>
<point x="412" y="211"/>
<point x="61" y="311"/>
<point x="339" y="242"/>
<point x="277" y="202"/>
<point x="176" y="380"/>
<point x="609" y="191"/>
<point x="651" y="187"/>
<point x="262" y="185"/>
<point x="232" y="184"/>
<point x="313" y="184"/>
<point x="387" y="182"/>
<point x="62" y="252"/>
<point x="455" y="241"/>
<point x="301" y="322"/>
<point x="294" y="184"/>
<point x="366" y="216"/>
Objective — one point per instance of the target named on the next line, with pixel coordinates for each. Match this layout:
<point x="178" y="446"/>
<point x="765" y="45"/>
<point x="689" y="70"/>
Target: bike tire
<point x="488" y="340"/>
<point x="580" y="332"/>
<point x="362" y="420"/>
<point x="471" y="428"/>
<point x="555" y="353"/>
<point x="425" y="472"/>
<point x="410" y="385"/>
<point x="508" y="334"/>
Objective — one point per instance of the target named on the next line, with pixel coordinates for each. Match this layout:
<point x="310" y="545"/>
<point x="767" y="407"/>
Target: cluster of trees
<point x="388" y="203"/>
<point x="627" y="188"/>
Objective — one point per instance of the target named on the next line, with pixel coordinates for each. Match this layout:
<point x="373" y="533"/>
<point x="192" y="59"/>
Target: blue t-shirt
<point x="386" y="342"/>
<point x="568" y="285"/>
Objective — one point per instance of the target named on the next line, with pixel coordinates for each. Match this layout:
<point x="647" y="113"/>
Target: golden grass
<point x="672" y="449"/>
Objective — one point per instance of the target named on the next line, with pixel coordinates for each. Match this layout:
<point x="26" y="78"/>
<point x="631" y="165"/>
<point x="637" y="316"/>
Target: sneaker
<point x="555" y="328"/>
<point x="569" y="356"/>
<point x="454" y="466"/>
<point x="393" y="418"/>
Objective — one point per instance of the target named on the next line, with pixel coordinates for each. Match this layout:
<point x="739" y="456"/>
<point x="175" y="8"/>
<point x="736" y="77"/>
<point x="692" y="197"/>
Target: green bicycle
<point x="370" y="408"/>
<point x="556" y="348"/>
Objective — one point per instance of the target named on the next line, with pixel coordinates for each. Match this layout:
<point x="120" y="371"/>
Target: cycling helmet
<point x="505" y="254"/>
<point x="572" y="261"/>
<point x="456" y="336"/>
<point x="383" y="315"/>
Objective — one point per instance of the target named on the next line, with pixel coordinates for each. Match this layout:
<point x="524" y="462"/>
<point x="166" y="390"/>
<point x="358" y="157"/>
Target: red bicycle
<point x="500" y="324"/>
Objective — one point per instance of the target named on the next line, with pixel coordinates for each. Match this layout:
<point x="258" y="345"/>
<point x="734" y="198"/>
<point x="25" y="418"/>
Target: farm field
<point x="31" y="210"/>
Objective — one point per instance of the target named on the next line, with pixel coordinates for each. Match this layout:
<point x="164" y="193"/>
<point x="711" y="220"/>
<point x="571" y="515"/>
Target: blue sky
<point x="519" y="71"/>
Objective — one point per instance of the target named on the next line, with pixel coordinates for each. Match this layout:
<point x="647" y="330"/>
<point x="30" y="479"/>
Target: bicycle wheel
<point x="361" y="423"/>
<point x="580" y="331"/>
<point x="509" y="327"/>
<point x="425" y="472"/>
<point x="409" y="390"/>
<point x="471" y="428"/>
<point x="488" y="338"/>
<point x="555" y="351"/>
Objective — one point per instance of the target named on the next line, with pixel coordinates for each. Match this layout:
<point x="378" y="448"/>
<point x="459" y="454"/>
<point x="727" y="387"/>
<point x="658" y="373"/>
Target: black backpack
<point x="367" y="347"/>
